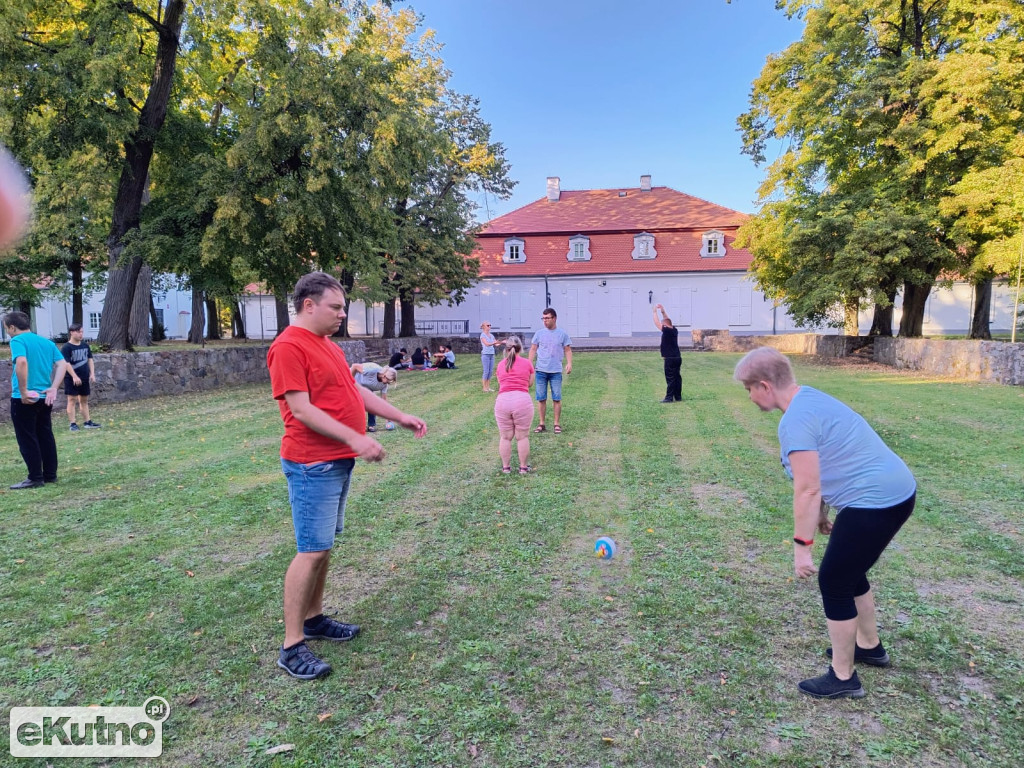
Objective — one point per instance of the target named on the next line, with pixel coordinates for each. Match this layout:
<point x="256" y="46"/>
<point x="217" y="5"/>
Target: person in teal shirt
<point x="38" y="369"/>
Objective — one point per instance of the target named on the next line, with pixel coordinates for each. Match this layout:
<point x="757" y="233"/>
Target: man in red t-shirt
<point x="324" y="413"/>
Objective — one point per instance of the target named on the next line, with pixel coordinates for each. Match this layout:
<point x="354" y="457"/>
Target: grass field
<point x="491" y="634"/>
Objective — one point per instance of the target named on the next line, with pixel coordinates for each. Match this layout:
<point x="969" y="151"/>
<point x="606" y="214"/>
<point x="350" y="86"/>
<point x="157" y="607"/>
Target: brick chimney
<point x="553" y="190"/>
<point x="645" y="183"/>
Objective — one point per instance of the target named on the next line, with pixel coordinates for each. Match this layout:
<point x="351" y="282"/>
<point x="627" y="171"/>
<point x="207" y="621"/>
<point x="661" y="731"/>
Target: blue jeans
<point x="487" y="361"/>
<point x="317" y="493"/>
<point x="554" y="380"/>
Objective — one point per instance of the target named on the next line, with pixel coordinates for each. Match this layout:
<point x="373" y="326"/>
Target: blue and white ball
<point x="604" y="548"/>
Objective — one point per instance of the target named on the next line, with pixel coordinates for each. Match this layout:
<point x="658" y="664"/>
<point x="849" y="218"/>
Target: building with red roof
<point x="604" y="257"/>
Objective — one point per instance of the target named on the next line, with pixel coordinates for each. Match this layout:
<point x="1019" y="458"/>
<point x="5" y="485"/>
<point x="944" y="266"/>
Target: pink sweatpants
<point x="514" y="412"/>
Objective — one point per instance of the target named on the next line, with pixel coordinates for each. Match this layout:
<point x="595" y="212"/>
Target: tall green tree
<point x="878" y="124"/>
<point x="432" y="263"/>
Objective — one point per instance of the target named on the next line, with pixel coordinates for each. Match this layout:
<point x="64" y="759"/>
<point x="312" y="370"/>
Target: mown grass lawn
<point x="491" y="634"/>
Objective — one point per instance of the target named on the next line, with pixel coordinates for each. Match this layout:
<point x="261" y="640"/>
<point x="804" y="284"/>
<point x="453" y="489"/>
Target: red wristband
<point x="803" y="542"/>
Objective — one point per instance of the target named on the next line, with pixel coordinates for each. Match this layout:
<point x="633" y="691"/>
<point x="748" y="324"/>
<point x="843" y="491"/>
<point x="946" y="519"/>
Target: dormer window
<point x="515" y="251"/>
<point x="579" y="248"/>
<point x="643" y="246"/>
<point x="712" y="245"/>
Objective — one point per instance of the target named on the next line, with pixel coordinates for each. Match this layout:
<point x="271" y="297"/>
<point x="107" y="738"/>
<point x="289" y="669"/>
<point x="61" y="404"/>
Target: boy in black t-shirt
<point x="81" y="373"/>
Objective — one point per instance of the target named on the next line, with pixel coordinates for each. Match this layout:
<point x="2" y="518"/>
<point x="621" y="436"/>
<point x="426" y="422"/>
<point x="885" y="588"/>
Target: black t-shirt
<point x="417" y="357"/>
<point x="78" y="355"/>
<point x="669" y="342"/>
<point x="396" y="359"/>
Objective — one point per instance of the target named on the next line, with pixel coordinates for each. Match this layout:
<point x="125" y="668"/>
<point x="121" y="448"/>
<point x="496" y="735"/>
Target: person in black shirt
<point x="398" y="360"/>
<point x="670" y="351"/>
<point x="417" y="358"/>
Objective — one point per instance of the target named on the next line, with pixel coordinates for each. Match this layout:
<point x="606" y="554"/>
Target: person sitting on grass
<point x="835" y="460"/>
<point x="445" y="359"/>
<point x="376" y="379"/>
<point x="399" y="360"/>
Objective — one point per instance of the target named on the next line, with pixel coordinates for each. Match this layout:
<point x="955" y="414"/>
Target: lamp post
<point x="1016" y="298"/>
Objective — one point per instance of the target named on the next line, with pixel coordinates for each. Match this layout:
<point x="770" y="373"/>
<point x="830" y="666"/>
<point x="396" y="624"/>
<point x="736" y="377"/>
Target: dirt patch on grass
<point x="717" y="500"/>
<point x="993" y="610"/>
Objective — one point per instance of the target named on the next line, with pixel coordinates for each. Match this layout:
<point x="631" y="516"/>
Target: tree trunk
<point x="389" y="319"/>
<point x="283" y="321"/>
<point x="138" y="325"/>
<point x="237" y="321"/>
<point x="212" y="319"/>
<point x="408" y="304"/>
<point x="138" y="150"/>
<point x="195" y="331"/>
<point x="881" y="323"/>
<point x="77" y="281"/>
<point x="159" y="326"/>
<point x="982" y="309"/>
<point x="851" y="318"/>
<point x="915" y="299"/>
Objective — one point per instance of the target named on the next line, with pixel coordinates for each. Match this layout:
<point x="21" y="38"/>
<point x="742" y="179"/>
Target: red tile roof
<point x="610" y="254"/>
<point x="676" y="220"/>
<point x="604" y="210"/>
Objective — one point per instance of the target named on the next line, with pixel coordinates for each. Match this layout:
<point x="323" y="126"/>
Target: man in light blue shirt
<point x="548" y="347"/>
<point x="38" y="369"/>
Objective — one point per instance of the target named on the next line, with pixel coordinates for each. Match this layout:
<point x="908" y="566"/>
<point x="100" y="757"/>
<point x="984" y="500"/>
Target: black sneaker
<point x="91" y="425"/>
<point x="75" y="427"/>
<point x="322" y="628"/>
<point x="298" y="661"/>
<point x="828" y="686"/>
<point x="875" y="657"/>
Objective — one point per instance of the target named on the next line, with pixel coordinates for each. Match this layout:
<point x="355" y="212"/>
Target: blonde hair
<point x="513" y="348"/>
<point x="484" y="324"/>
<point x="390" y="375"/>
<point x="764" y="364"/>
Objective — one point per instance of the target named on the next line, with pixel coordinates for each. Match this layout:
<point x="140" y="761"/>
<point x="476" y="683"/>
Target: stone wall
<point x="792" y="343"/>
<point x="993" y="361"/>
<point x="126" y="376"/>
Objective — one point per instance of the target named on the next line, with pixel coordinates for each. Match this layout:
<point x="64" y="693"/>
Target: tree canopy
<point x="269" y="137"/>
<point x="887" y="112"/>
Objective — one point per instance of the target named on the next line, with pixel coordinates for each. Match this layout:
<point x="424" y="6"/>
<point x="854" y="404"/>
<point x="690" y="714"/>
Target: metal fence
<point x="442" y="327"/>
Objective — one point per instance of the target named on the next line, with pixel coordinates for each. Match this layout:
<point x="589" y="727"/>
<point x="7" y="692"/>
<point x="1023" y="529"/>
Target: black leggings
<point x="858" y="538"/>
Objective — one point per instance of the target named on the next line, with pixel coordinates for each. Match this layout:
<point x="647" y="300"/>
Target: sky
<point x="599" y="93"/>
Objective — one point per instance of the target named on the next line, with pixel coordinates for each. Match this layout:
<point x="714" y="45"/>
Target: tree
<point x="880" y="123"/>
<point x="432" y="263"/>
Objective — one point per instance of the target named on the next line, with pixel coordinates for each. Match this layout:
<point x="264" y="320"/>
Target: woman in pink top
<point x="513" y="408"/>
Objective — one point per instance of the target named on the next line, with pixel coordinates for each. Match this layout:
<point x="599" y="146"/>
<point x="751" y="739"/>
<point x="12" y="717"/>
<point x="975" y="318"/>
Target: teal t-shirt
<point x="41" y="355"/>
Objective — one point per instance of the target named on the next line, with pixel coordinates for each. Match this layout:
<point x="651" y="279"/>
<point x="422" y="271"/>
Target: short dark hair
<point x="74" y="327"/>
<point x="312" y="286"/>
<point x="550" y="311"/>
<point x="402" y="349"/>
<point x="19" y="320"/>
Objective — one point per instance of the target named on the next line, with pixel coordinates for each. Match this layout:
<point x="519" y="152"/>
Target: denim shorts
<point x="552" y="379"/>
<point x="317" y="493"/>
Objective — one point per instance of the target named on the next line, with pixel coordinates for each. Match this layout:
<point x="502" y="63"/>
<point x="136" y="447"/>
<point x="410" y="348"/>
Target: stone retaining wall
<point x="123" y="376"/>
<point x="793" y="343"/>
<point x="994" y="361"/>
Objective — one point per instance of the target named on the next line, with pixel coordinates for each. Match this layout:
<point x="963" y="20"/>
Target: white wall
<point x="622" y="307"/>
<point x="53" y="316"/>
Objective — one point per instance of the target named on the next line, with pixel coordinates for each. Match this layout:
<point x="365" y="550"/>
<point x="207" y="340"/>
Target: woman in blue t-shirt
<point x="835" y="459"/>
<point x="487" y="345"/>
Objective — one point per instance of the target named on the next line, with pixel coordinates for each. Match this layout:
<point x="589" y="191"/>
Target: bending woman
<point x="834" y="458"/>
<point x="513" y="408"/>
